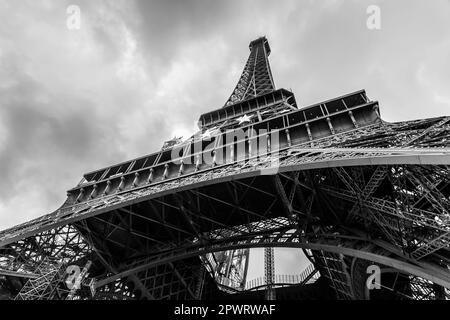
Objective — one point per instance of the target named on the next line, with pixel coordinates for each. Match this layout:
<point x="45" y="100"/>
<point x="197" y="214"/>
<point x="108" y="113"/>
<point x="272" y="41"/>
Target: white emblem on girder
<point x="244" y="118"/>
<point x="210" y="132"/>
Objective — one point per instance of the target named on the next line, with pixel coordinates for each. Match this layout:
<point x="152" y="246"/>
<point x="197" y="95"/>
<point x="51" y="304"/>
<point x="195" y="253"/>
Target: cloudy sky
<point x="137" y="73"/>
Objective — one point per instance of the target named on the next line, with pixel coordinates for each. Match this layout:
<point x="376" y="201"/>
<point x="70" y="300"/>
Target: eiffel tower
<point x="353" y="192"/>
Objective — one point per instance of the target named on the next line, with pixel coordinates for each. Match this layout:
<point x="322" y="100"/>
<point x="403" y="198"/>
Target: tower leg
<point x="269" y="270"/>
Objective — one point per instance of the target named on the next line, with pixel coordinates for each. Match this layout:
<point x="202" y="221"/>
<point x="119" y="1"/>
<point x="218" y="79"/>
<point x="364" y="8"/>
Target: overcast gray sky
<point x="138" y="72"/>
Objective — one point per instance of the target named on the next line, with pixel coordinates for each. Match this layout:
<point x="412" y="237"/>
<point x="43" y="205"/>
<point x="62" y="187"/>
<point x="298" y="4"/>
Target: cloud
<point x="64" y="98"/>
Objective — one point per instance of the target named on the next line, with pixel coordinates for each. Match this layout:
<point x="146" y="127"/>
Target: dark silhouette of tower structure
<point x="332" y="179"/>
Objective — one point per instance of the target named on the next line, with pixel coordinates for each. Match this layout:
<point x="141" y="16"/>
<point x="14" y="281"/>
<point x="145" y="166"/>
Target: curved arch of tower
<point x="333" y="179"/>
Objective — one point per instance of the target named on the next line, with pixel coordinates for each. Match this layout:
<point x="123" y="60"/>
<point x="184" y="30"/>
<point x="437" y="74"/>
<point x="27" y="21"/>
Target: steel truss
<point x="345" y="186"/>
<point x="256" y="79"/>
<point x="309" y="275"/>
<point x="356" y="186"/>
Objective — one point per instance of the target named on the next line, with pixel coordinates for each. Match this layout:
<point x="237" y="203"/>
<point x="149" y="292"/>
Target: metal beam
<point x="18" y="274"/>
<point x="419" y="271"/>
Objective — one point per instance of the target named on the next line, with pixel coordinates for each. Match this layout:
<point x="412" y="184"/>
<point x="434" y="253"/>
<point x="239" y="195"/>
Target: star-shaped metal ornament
<point x="244" y="118"/>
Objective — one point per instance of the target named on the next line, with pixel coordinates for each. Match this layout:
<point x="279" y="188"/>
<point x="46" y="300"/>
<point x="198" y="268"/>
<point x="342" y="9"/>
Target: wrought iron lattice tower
<point x="332" y="179"/>
<point x="45" y="285"/>
<point x="256" y="79"/>
<point x="269" y="272"/>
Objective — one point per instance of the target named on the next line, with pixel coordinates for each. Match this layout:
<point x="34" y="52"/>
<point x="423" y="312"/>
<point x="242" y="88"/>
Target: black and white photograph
<point x="225" y="155"/>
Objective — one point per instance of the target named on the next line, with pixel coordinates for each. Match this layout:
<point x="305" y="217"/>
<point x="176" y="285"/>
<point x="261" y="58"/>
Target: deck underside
<point x="361" y="196"/>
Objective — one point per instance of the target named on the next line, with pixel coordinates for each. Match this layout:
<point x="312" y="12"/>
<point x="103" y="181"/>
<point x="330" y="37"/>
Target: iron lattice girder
<point x="25" y="256"/>
<point x="308" y="275"/>
<point x="426" y="227"/>
<point x="325" y="187"/>
<point x="390" y="133"/>
<point x="45" y="286"/>
<point x="435" y="129"/>
<point x="162" y="167"/>
<point x="435" y="221"/>
<point x="298" y="160"/>
<point x="171" y="280"/>
<point x="333" y="267"/>
<point x="256" y="79"/>
<point x="289" y="238"/>
<point x="389" y="180"/>
<point x="341" y="191"/>
<point x="266" y="191"/>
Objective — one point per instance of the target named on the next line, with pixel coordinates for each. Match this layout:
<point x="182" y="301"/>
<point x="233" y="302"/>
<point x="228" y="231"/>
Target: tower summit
<point x="256" y="78"/>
